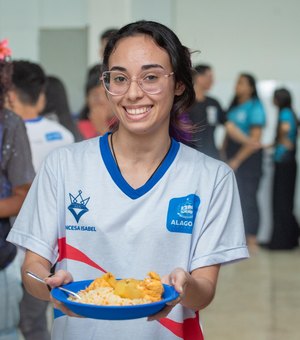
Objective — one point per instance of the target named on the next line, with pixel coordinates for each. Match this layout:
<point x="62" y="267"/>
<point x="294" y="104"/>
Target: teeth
<point x="138" y="111"/>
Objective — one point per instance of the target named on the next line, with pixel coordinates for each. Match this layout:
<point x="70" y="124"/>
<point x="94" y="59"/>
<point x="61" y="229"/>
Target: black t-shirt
<point x="206" y="115"/>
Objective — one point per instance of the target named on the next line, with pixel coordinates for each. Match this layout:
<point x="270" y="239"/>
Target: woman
<point x="285" y="227"/>
<point x="147" y="196"/>
<point x="95" y="117"/>
<point x="57" y="106"/>
<point x="247" y="114"/>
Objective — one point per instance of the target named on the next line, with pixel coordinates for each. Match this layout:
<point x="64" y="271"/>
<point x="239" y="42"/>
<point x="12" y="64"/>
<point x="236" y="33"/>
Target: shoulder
<point x="201" y="162"/>
<point x="286" y="113"/>
<point x="11" y="119"/>
<point x="212" y="101"/>
<point x="79" y="150"/>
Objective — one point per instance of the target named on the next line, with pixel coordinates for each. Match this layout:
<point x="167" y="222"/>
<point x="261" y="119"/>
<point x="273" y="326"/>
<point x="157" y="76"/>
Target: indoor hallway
<point x="257" y="299"/>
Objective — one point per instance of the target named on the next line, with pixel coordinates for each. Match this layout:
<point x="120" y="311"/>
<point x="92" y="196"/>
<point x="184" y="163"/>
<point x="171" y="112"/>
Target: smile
<point x="138" y="111"/>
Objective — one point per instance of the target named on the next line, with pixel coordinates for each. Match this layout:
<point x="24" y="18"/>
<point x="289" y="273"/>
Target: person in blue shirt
<point x="246" y="114"/>
<point x="285" y="233"/>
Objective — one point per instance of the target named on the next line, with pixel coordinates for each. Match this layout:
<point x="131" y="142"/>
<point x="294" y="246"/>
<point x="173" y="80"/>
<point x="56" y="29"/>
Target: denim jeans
<point x="10" y="297"/>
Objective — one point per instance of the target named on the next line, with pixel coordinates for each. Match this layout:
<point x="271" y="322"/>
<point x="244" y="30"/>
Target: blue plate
<point x="112" y="312"/>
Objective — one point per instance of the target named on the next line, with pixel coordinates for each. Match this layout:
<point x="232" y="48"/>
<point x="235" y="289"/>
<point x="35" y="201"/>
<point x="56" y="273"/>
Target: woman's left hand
<point x="179" y="279"/>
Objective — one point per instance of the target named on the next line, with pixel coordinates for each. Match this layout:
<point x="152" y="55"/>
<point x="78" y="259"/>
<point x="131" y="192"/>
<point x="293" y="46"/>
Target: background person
<point x="57" y="106"/>
<point x="27" y="99"/>
<point x="247" y="114"/>
<point x="96" y="115"/>
<point x="139" y="184"/>
<point x="206" y="113"/>
<point x="16" y="175"/>
<point x="285" y="234"/>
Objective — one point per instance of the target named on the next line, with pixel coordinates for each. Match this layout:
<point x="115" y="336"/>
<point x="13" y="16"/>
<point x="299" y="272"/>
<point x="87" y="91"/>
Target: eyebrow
<point x="144" y="67"/>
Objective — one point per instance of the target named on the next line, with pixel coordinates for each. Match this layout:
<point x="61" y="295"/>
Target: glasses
<point x="117" y="83"/>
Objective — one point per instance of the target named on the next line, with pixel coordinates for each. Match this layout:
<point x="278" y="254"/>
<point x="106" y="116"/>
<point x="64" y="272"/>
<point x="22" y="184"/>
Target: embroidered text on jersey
<point x="182" y="213"/>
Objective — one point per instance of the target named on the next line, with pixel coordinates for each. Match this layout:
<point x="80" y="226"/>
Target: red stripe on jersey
<point x="68" y="252"/>
<point x="188" y="330"/>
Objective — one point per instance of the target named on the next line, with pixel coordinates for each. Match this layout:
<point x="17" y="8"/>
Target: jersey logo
<point x="78" y="205"/>
<point x="51" y="136"/>
<point x="182" y="213"/>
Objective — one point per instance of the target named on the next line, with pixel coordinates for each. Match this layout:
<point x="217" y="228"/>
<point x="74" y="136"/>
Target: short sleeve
<point x="222" y="237"/>
<point x="36" y="225"/>
<point x="285" y="116"/>
<point x="257" y="115"/>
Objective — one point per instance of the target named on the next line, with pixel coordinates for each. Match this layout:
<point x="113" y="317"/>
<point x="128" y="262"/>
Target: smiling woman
<point x="144" y="192"/>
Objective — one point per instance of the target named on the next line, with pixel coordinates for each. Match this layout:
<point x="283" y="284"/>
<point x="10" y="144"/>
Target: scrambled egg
<point x="150" y="288"/>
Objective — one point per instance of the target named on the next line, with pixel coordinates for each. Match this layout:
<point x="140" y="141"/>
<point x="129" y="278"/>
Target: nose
<point x="134" y="91"/>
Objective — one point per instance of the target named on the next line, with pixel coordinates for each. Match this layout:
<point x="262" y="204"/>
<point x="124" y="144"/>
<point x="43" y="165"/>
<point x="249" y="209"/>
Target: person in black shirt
<point x="206" y="113"/>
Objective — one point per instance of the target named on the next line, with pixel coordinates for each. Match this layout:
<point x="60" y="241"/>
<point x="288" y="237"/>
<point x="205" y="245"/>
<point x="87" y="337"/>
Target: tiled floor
<point x="257" y="299"/>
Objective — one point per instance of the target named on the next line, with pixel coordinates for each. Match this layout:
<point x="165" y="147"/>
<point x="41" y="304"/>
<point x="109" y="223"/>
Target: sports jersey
<point x="44" y="136"/>
<point x="282" y="153"/>
<point x="82" y="214"/>
<point x="246" y="116"/>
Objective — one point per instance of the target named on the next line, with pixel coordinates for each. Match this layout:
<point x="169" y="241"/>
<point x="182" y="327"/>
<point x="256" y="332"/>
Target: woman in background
<point x="285" y="227"/>
<point x="57" y="106"/>
<point x="95" y="118"/>
<point x="247" y="114"/>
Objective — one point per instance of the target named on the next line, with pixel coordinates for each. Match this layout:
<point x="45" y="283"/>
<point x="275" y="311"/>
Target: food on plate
<point x="107" y="290"/>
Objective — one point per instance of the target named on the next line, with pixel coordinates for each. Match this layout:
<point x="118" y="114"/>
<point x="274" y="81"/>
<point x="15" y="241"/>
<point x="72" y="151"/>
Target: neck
<point x="28" y="112"/>
<point x="138" y="160"/>
<point x="200" y="94"/>
<point x="243" y="98"/>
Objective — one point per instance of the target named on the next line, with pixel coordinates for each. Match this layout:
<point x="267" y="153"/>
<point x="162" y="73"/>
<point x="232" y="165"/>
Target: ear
<point x="179" y="88"/>
<point x="10" y="99"/>
<point x="41" y="103"/>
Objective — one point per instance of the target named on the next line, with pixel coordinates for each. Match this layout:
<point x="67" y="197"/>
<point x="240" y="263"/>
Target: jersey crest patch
<point x="182" y="213"/>
<point x="78" y="205"/>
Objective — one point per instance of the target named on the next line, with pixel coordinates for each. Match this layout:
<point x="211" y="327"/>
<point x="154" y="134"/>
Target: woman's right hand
<point x="61" y="277"/>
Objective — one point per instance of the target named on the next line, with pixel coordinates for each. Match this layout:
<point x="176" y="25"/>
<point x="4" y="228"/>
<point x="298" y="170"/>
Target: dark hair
<point x="29" y="81"/>
<point x="180" y="60"/>
<point x="202" y="68"/>
<point x="5" y="79"/>
<point x="108" y="33"/>
<point x="57" y="103"/>
<point x="283" y="99"/>
<point x="252" y="82"/>
<point x="93" y="81"/>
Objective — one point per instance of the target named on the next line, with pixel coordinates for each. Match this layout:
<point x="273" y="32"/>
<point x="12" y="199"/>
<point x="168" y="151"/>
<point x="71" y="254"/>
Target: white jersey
<point x="44" y="136"/>
<point x="81" y="214"/>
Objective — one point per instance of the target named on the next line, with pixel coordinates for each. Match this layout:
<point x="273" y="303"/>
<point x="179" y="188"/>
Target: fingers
<point x="60" y="278"/>
<point x="162" y="314"/>
<point x="59" y="305"/>
<point x="179" y="279"/>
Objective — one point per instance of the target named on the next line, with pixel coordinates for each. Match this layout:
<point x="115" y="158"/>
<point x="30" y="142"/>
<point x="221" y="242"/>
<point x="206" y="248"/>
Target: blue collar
<point x="117" y="177"/>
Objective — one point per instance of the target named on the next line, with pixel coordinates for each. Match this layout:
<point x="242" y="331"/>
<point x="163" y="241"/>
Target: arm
<point x="237" y="135"/>
<point x="246" y="150"/>
<point x="11" y="205"/>
<point x="40" y="266"/>
<point x="284" y="129"/>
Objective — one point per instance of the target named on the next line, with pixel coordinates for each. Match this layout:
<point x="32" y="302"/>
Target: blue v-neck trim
<point x="117" y="177"/>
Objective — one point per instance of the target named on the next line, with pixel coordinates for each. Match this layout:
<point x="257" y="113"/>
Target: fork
<point x="36" y="277"/>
